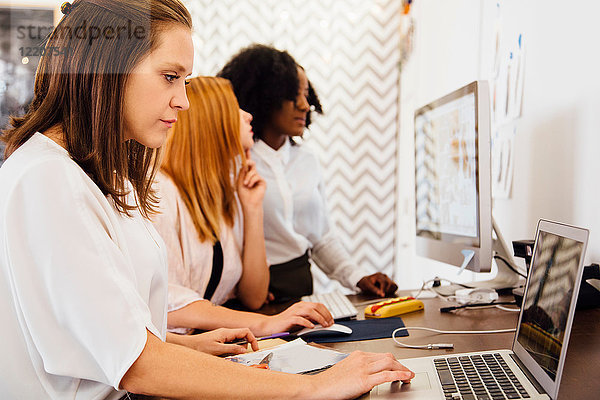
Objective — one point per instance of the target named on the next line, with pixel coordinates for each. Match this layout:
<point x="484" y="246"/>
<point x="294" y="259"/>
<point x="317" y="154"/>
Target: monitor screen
<point x="548" y="298"/>
<point x="446" y="165"/>
<point x="453" y="178"/>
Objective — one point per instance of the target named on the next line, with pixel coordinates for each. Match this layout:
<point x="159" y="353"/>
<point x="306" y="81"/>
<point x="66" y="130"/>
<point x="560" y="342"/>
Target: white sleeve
<point x="334" y="260"/>
<point x="74" y="286"/>
<point x="181" y="296"/>
<point x="168" y="225"/>
<point x="330" y="255"/>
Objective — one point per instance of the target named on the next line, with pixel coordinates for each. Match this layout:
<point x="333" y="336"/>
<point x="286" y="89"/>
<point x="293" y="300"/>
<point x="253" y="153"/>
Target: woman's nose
<point x="302" y="103"/>
<point x="180" y="101"/>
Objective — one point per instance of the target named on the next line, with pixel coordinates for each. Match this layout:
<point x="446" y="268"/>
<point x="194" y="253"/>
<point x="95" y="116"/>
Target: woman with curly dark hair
<point x="275" y="90"/>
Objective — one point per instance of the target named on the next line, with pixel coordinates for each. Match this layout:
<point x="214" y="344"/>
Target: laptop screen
<point x="546" y="304"/>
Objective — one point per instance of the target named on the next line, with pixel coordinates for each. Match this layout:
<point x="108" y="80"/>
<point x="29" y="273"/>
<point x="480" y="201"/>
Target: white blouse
<point x="295" y="212"/>
<point x="189" y="259"/>
<point x="79" y="282"/>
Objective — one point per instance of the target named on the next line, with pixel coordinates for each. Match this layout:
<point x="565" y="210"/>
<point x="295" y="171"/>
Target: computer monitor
<point x="453" y="179"/>
<point x="453" y="207"/>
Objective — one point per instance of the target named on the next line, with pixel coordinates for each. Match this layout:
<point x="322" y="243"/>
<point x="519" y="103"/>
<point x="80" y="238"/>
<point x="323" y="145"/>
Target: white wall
<point x="556" y="172"/>
<point x="557" y="168"/>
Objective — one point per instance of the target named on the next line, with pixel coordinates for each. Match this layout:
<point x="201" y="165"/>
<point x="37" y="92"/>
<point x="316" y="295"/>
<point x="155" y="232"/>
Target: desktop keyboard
<point x="336" y="302"/>
<point x="478" y="377"/>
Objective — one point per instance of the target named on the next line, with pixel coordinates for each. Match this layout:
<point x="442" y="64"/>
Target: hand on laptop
<point x="359" y="373"/>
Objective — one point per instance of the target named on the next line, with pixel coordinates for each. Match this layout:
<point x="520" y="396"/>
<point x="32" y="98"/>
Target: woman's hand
<point x="378" y="284"/>
<point x="359" y="373"/>
<point x="302" y="313"/>
<point x="250" y="185"/>
<point x="216" y="342"/>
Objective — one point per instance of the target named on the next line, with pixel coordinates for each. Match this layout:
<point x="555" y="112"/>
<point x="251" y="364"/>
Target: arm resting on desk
<point x="204" y="315"/>
<point x="165" y="369"/>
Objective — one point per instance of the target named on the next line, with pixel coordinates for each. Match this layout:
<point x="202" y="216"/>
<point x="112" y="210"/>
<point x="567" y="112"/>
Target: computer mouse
<point x="333" y="329"/>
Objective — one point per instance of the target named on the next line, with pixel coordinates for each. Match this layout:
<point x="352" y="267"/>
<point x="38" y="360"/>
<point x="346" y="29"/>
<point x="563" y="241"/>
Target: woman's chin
<point x="153" y="141"/>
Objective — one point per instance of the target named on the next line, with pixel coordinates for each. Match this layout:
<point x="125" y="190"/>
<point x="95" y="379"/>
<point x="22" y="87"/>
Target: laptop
<point x="533" y="368"/>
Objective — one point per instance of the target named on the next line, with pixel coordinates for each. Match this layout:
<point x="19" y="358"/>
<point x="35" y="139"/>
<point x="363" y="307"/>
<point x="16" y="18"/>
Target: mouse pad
<point x="361" y="330"/>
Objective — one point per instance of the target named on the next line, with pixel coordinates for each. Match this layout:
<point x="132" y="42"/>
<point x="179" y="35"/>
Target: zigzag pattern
<point x="350" y="50"/>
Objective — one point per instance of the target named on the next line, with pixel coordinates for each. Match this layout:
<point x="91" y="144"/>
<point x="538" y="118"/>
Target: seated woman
<point x="212" y="219"/>
<point x="83" y="274"/>
<point x="273" y="87"/>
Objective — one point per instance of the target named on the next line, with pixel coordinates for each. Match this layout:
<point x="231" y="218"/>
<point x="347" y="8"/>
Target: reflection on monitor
<point x="452" y="178"/>
<point x="548" y="298"/>
<point x="447" y="165"/>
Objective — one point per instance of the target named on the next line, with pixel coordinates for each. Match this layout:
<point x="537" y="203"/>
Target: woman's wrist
<point x="263" y="326"/>
<point x="253" y="220"/>
<point x="312" y="387"/>
<point x="252" y="211"/>
<point x="181" y="340"/>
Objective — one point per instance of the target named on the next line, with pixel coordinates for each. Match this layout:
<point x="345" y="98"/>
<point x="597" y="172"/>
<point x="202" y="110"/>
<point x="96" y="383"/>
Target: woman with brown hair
<point x="211" y="219"/>
<point x="83" y="274"/>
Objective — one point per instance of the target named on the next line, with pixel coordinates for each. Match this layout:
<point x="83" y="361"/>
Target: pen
<point x="273" y="336"/>
<point x="316" y="371"/>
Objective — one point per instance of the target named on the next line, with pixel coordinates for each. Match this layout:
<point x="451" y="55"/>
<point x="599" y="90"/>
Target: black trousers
<point x="291" y="279"/>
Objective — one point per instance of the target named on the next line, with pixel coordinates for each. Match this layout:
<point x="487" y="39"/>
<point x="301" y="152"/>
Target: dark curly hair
<point x="263" y="78"/>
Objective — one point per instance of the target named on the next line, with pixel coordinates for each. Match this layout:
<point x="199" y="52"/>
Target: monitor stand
<point x="505" y="277"/>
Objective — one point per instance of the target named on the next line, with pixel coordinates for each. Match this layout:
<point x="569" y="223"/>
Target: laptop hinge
<point x="529" y="376"/>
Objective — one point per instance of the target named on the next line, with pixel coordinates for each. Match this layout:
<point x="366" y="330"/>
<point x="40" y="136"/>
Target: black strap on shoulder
<point x="217" y="271"/>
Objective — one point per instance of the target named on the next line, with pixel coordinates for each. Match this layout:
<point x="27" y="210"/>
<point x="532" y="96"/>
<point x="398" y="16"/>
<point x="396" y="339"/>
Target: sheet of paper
<point x="294" y="357"/>
<point x="503" y="146"/>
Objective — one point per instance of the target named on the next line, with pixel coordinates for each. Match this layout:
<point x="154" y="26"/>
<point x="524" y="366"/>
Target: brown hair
<point x="201" y="154"/>
<point x="81" y="86"/>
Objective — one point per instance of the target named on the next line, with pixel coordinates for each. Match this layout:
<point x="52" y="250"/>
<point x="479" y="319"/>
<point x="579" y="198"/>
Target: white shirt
<point x="295" y="212"/>
<point x="190" y="260"/>
<point x="79" y="282"/>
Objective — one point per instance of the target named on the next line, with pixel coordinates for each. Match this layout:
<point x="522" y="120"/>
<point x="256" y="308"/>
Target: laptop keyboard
<point x="336" y="302"/>
<point x="478" y="377"/>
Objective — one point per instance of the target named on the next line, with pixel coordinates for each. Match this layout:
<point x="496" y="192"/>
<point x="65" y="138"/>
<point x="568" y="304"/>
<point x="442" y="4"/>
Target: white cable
<point x="439" y="296"/>
<point x="435" y="292"/>
<point x="435" y="346"/>
<point x="416" y="296"/>
<point x="508" y="309"/>
<point x="430" y="346"/>
<point x="457" y="332"/>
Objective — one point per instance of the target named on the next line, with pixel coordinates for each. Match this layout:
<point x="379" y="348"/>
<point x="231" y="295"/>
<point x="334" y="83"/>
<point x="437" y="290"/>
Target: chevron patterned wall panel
<point x="350" y="50"/>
